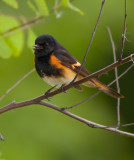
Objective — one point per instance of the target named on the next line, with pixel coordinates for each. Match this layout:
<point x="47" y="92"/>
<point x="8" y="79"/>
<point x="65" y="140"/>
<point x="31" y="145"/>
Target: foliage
<point x="13" y="22"/>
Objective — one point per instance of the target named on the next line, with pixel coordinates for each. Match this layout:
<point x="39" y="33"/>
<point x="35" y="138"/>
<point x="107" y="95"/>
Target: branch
<point x="17" y="83"/>
<point x="21" y="26"/>
<point x="97" y="93"/>
<point x="89" y="123"/>
<point x="103" y="70"/>
<point x="116" y="77"/>
<point x="124" y="33"/>
<point x="85" y="100"/>
<point x="91" y="40"/>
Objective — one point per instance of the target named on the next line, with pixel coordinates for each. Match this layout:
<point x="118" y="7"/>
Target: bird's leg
<point x="48" y="92"/>
<point x="62" y="88"/>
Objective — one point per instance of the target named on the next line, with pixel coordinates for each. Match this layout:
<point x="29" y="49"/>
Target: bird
<point x="55" y="65"/>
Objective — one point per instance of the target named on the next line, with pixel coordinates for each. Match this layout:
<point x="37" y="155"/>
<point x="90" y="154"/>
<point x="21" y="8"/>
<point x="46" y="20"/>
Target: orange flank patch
<point x="56" y="62"/>
<point x="67" y="72"/>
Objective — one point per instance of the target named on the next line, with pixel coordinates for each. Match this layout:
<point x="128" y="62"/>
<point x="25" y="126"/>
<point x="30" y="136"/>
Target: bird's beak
<point x="37" y="46"/>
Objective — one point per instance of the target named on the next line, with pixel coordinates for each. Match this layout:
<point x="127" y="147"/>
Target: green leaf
<point x="14" y="41"/>
<point x="5" y="51"/>
<point x="68" y="4"/>
<point x="12" y="3"/>
<point x="42" y="6"/>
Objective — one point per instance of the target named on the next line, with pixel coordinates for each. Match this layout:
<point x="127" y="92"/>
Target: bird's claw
<point x="48" y="92"/>
<point x="62" y="88"/>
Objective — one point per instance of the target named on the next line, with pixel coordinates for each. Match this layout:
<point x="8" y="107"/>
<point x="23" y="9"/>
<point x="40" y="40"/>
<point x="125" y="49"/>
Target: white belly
<point x="68" y="77"/>
<point x="57" y="80"/>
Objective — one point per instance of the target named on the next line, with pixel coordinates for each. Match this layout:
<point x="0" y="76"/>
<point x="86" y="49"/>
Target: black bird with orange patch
<point x="57" y="66"/>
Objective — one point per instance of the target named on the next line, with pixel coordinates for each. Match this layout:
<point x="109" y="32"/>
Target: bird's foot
<point x="62" y="88"/>
<point x="47" y="93"/>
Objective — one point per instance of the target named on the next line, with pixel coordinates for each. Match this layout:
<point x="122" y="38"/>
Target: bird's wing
<point x="69" y="61"/>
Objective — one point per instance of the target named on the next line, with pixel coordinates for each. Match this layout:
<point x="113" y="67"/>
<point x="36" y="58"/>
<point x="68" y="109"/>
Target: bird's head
<point x="44" y="45"/>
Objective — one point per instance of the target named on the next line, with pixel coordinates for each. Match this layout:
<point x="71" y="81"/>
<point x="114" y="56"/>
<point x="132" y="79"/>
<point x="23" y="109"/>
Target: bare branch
<point x="124" y="33"/>
<point x="87" y="122"/>
<point x="131" y="66"/>
<point x="102" y="71"/>
<point x="116" y="77"/>
<point x="84" y="59"/>
<point x="126" y="125"/>
<point x="94" y="95"/>
<point x="21" y="26"/>
<point x="18" y="82"/>
<point x="85" y="100"/>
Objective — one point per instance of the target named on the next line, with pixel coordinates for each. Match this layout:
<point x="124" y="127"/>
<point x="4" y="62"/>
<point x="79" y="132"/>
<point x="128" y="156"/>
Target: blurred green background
<point x="39" y="133"/>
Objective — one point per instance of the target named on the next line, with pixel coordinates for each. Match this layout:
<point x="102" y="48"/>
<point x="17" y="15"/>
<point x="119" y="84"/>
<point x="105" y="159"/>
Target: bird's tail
<point x="104" y="88"/>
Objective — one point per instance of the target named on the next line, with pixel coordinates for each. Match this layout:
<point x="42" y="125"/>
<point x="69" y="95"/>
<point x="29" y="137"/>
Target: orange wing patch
<point x="67" y="72"/>
<point x="56" y="62"/>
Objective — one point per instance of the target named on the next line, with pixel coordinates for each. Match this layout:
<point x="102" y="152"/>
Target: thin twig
<point x="21" y="26"/>
<point x="85" y="100"/>
<point x="87" y="122"/>
<point x="126" y="125"/>
<point x="91" y="40"/>
<point x="121" y="75"/>
<point x="124" y="33"/>
<point x="121" y="125"/>
<point x="97" y="93"/>
<point x="116" y="77"/>
<point x="102" y="71"/>
<point x="24" y="28"/>
<point x="18" y="82"/>
<point x="56" y="7"/>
